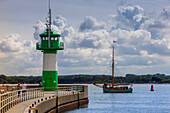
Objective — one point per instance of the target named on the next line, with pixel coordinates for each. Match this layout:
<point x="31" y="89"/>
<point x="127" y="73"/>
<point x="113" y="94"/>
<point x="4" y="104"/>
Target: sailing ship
<point x="116" y="88"/>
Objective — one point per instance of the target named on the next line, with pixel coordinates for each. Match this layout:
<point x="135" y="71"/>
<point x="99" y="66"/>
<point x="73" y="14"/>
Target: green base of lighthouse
<point x="50" y="70"/>
<point x="50" y="80"/>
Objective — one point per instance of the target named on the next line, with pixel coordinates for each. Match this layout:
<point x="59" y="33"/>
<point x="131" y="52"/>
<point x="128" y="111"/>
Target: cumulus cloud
<point x="39" y="28"/>
<point x="166" y="12"/>
<point x="18" y="56"/>
<point x="61" y="26"/>
<point x="90" y="48"/>
<point x="130" y="11"/>
<point x="90" y="23"/>
<point x="160" y="24"/>
<point x="139" y="61"/>
<point x="93" y="47"/>
<point x="155" y="25"/>
<point x="129" y="17"/>
<point x="81" y="47"/>
<point x="10" y="43"/>
<point x="159" y="29"/>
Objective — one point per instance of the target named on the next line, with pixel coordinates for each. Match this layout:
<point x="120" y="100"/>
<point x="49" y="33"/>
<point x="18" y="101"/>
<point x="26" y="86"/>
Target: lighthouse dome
<point x="52" y="34"/>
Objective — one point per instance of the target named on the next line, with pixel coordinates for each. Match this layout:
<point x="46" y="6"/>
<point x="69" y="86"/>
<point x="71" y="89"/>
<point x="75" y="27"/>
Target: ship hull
<point x="116" y="91"/>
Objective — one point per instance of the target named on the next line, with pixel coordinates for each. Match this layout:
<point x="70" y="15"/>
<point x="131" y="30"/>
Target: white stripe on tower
<point x="50" y="62"/>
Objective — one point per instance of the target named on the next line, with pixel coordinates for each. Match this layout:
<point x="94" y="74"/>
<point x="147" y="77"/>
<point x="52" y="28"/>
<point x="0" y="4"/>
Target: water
<point x="142" y="100"/>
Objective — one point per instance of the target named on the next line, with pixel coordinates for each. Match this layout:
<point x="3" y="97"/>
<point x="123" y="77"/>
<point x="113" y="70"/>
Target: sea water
<point x="142" y="100"/>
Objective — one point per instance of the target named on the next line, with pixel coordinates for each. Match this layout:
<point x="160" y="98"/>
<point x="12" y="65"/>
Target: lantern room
<point x="50" y="44"/>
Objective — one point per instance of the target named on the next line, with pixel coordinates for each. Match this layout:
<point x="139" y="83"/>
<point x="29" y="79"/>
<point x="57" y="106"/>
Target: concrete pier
<point x="65" y="98"/>
<point x="63" y="103"/>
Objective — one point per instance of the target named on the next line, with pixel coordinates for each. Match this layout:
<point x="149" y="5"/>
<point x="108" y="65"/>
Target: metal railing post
<point x="21" y="96"/>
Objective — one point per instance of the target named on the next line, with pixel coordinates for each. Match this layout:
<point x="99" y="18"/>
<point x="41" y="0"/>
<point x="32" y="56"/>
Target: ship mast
<point x="113" y="67"/>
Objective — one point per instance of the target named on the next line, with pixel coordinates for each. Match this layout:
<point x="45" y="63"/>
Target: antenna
<point x="49" y="15"/>
<point x="48" y="24"/>
<point x="48" y="18"/>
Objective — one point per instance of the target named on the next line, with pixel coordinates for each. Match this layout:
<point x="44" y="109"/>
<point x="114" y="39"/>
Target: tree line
<point x="89" y="79"/>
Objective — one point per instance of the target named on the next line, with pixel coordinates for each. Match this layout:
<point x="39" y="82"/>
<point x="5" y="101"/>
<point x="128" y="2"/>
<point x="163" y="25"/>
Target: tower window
<point x="52" y="38"/>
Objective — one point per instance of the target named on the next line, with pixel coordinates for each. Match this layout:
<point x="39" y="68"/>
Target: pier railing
<point x="10" y="99"/>
<point x="64" y="90"/>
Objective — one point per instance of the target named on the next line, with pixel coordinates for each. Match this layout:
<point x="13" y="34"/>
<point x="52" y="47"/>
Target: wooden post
<point x="0" y="103"/>
<point x="35" y="109"/>
<point x="78" y="100"/>
<point x="56" y="103"/>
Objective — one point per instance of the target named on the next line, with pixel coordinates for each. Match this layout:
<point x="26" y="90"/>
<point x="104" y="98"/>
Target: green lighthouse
<point x="49" y="45"/>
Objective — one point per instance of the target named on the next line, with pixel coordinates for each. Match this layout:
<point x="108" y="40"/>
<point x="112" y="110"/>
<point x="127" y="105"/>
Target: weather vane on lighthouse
<point x="49" y="45"/>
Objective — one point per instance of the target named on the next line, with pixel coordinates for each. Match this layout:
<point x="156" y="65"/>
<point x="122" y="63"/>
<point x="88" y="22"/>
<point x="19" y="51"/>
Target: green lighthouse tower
<point x="49" y="45"/>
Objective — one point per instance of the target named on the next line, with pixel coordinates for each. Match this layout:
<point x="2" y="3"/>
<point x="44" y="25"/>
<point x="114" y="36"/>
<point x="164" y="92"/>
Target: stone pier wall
<point x="63" y="103"/>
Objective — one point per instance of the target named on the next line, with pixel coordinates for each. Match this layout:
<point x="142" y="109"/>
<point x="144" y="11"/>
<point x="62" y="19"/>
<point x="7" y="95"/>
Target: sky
<point x="88" y="29"/>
